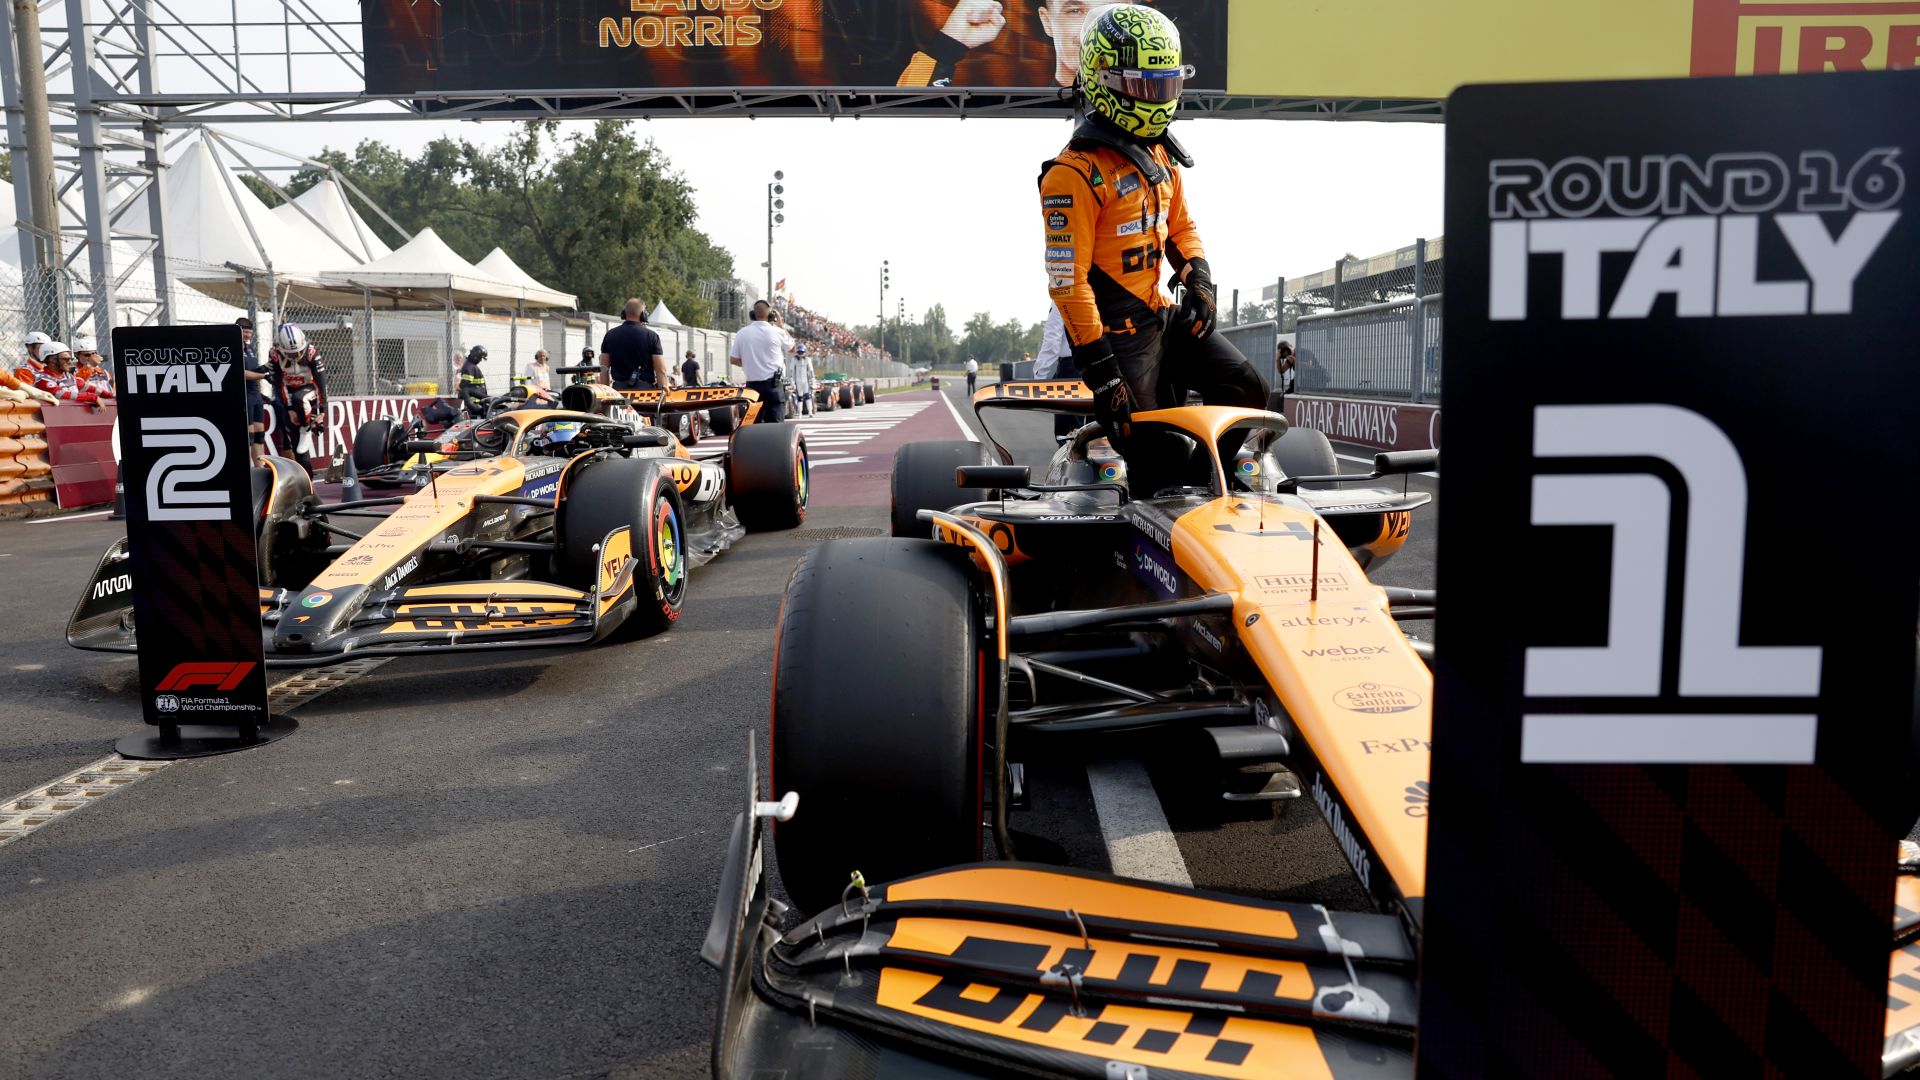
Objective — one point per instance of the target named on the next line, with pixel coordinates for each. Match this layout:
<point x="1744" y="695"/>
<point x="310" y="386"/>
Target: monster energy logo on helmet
<point x="1131" y="73"/>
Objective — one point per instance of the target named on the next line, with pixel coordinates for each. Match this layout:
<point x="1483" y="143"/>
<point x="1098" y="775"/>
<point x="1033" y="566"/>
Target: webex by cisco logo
<point x="1697" y="228"/>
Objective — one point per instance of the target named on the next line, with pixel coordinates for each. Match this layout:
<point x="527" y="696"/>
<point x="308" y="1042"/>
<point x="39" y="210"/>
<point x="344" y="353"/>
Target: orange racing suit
<point x="1114" y="213"/>
<point x="1107" y="233"/>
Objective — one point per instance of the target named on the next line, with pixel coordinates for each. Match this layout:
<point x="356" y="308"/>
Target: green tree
<point x="597" y="214"/>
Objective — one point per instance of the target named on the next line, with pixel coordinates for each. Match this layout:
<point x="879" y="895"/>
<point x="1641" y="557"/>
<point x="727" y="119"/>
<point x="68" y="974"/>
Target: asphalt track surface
<point x="497" y="867"/>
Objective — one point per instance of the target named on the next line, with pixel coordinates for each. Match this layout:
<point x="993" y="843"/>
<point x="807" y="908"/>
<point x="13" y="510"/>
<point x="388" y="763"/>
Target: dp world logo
<point x="166" y="703"/>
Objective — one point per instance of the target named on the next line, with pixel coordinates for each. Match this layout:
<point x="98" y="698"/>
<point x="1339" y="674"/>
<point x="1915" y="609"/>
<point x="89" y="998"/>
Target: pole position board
<point x="1672" y="742"/>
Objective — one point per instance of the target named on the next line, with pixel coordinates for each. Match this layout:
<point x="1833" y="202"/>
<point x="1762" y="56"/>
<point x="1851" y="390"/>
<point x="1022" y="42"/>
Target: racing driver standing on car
<point x="1115" y="210"/>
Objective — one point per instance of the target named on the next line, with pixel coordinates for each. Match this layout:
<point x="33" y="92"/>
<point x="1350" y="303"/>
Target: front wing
<point x="1004" y="969"/>
<point x="407" y="620"/>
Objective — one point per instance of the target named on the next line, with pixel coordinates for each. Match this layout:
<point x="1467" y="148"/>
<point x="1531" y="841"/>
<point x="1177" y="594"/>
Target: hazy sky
<point x="954" y="204"/>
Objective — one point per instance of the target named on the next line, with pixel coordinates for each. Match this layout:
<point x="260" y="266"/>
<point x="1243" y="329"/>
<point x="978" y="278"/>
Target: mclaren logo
<point x="176" y="486"/>
<point x="1695" y="229"/>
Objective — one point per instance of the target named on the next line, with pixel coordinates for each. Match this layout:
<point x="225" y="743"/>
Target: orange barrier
<point x="26" y="477"/>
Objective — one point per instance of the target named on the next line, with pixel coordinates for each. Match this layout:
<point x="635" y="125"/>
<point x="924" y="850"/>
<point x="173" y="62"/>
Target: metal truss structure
<point x="122" y="74"/>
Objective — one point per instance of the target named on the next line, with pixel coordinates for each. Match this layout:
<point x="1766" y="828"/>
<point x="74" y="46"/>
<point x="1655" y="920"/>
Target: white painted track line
<point x="965" y="428"/>
<point x="1139" y="842"/>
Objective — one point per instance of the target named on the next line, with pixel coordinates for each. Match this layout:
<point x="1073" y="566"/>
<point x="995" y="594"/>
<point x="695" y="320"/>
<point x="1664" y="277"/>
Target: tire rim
<point x="667" y="548"/>
<point x="802" y="474"/>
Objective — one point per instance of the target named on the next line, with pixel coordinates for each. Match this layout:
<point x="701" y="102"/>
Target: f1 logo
<point x="220" y="676"/>
<point x="1712" y="662"/>
<point x="198" y="456"/>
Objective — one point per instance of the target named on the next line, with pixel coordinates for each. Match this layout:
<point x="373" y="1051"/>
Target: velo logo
<point x="198" y="455"/>
<point x="219" y="676"/>
<point x="1712" y="662"/>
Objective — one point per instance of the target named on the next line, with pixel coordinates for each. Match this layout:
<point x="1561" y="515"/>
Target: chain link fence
<point x="1364" y="328"/>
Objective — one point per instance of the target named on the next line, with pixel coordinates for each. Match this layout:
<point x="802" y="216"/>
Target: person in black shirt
<point x="473" y="382"/>
<point x="254" y="375"/>
<point x="690" y="371"/>
<point x="630" y="354"/>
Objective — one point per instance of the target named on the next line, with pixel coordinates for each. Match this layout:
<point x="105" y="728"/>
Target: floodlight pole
<point x="32" y="73"/>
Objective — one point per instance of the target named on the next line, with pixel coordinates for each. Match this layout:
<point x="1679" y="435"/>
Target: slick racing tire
<point x="372" y="444"/>
<point x="769" y="476"/>
<point x="846" y="397"/>
<point x="722" y="421"/>
<point x="889" y="778"/>
<point x="1304" y="452"/>
<point x="866" y="393"/>
<point x="923" y="480"/>
<point x="633" y="492"/>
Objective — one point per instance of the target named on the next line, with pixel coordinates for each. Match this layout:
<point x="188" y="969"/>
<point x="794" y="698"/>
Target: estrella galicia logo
<point x="1695" y="228"/>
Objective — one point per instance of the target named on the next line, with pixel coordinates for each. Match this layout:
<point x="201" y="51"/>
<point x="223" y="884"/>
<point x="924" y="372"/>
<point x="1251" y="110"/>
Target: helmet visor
<point x="1157" y="87"/>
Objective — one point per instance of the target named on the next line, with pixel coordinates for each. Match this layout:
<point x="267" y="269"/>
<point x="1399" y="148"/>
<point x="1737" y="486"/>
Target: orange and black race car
<point x="1207" y="595"/>
<point x="534" y="527"/>
<point x="1209" y="592"/>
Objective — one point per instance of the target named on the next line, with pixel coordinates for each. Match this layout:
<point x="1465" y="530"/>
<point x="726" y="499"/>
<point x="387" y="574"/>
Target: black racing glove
<point x="1112" y="401"/>
<point x="1200" y="307"/>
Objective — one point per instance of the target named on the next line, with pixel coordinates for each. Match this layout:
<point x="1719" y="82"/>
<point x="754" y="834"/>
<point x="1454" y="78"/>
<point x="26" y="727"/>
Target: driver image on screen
<point x="1063" y="21"/>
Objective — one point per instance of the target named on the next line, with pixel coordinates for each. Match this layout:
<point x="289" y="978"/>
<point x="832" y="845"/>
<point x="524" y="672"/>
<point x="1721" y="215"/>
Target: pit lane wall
<point x="1382" y="425"/>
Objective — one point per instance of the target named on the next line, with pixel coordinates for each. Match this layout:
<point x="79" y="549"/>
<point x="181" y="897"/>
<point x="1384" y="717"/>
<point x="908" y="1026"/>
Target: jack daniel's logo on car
<point x="1697" y="227"/>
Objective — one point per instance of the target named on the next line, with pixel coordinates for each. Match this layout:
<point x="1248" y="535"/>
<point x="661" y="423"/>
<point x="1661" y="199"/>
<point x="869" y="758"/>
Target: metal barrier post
<point x="1417" y="328"/>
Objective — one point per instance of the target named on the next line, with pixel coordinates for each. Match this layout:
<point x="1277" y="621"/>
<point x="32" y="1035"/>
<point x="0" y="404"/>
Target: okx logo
<point x="1712" y="662"/>
<point x="176" y="487"/>
<point x="1696" y="230"/>
<point x="215" y="675"/>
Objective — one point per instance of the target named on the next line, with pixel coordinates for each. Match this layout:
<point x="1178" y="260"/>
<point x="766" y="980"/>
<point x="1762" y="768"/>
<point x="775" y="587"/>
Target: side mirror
<point x="422" y="446"/>
<point x="519" y="393"/>
<point x="647" y="440"/>
<point x="992" y="476"/>
<point x="1402" y="462"/>
<point x="588" y="369"/>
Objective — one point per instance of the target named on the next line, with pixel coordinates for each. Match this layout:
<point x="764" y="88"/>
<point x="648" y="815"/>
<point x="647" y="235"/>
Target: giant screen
<point x="423" y="46"/>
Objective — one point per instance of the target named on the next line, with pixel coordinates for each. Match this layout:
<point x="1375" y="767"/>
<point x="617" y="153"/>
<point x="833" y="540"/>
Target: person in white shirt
<point x="760" y="351"/>
<point x="539" y="378"/>
<point x="973" y="375"/>
<point x="1054" y="349"/>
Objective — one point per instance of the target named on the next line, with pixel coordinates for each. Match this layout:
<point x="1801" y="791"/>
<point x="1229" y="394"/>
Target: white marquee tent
<point x="338" y="223"/>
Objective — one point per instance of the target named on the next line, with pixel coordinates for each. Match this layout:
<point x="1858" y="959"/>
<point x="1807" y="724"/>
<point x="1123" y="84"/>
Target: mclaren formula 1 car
<point x="1207" y="594"/>
<point x="536" y="527"/>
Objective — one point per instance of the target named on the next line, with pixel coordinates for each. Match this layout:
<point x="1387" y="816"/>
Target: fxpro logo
<point x="1696" y="230"/>
<point x="198" y="455"/>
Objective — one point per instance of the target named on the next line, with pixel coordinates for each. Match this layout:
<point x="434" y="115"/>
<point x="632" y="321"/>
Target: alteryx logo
<point x="1696" y="230"/>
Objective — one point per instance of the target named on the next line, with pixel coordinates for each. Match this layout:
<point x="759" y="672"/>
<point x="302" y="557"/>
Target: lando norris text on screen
<point x="1115" y="211"/>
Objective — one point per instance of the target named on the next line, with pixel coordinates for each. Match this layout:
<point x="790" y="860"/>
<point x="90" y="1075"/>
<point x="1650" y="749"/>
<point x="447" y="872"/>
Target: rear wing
<point x="691" y="398"/>
<point x="1051" y="395"/>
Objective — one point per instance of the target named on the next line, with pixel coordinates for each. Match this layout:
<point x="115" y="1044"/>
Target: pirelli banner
<point x="1397" y="49"/>
<point x="190" y="537"/>
<point x="1673" y="734"/>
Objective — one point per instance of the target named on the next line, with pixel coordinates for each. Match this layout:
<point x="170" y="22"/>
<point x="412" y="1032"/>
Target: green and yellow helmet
<point x="1131" y="72"/>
